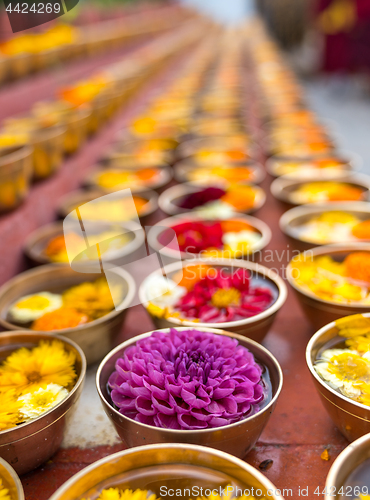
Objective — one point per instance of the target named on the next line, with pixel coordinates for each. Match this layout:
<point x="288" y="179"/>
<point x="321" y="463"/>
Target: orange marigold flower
<point x="357" y="266"/>
<point x="362" y="230"/>
<point x="234" y="226"/>
<point x="192" y="274"/>
<point x="60" y="319"/>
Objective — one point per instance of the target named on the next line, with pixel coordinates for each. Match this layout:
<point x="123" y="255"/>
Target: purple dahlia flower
<point x="187" y="380"/>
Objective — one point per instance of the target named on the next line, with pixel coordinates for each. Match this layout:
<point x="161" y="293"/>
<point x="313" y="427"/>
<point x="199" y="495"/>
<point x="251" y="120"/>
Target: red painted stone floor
<point x="299" y="430"/>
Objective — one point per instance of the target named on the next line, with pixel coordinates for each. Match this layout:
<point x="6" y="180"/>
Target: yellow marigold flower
<point x="360" y="344"/>
<point x="93" y="299"/>
<point x="349" y="366"/>
<point x="4" y="492"/>
<point x="352" y="326"/>
<point x="228" y="495"/>
<point x="26" y="370"/>
<point x="156" y="311"/>
<point x="328" y="264"/>
<point x="117" y="494"/>
<point x="9" y="411"/>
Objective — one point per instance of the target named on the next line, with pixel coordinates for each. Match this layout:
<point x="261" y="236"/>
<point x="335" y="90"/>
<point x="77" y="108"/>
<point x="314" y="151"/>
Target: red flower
<point x="195" y="237"/>
<point x="224" y="297"/>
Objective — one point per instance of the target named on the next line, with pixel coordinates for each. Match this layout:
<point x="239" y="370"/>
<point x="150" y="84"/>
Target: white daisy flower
<point x="44" y="399"/>
<point x="162" y="291"/>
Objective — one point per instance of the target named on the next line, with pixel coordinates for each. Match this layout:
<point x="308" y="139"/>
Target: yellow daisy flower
<point x="93" y="299"/>
<point x="117" y="494"/>
<point x="9" y="411"/>
<point x="228" y="495"/>
<point x="26" y="370"/>
<point x="4" y="492"/>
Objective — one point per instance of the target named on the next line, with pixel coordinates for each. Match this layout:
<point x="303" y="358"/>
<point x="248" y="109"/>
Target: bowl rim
<point x="57" y="227"/>
<point x="165" y="176"/>
<point x="22" y="151"/>
<point x="280" y="183"/>
<point x="125" y="303"/>
<point x="354" y="163"/>
<point x="323" y="250"/>
<point x="82" y="196"/>
<point x="162" y="446"/>
<point x="311" y="209"/>
<point x="169" y="222"/>
<point x="310" y="366"/>
<point x="217" y="331"/>
<point x="165" y="200"/>
<point x="15" y="478"/>
<point x="188" y="164"/>
<point x="79" y="382"/>
<point x="257" y="268"/>
<point x="341" y="459"/>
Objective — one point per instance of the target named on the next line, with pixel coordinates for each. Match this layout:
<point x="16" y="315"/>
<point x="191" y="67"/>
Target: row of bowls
<point x="31" y="444"/>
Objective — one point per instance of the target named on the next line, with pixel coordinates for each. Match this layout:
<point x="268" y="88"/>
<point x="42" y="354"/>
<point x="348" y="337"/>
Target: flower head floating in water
<point x="117" y="494"/>
<point x="187" y="380"/>
<point x="26" y="370"/>
<point x="4" y="492"/>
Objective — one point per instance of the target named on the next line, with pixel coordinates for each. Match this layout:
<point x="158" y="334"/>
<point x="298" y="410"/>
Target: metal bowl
<point x="77" y="198"/>
<point x="36" y="243"/>
<point x="238" y="438"/>
<point x="351" y="418"/>
<point x="183" y="170"/>
<point x="295" y="217"/>
<point x="94" y="338"/>
<point x="48" y="151"/>
<point x="156" y="465"/>
<point x="167" y="200"/>
<point x="31" y="444"/>
<point x="345" y="465"/>
<point x="255" y="327"/>
<point x="158" y="229"/>
<point x="350" y="163"/>
<point x="216" y="144"/>
<point x="159" y="182"/>
<point x="11" y="481"/>
<point x="15" y="176"/>
<point x="283" y="187"/>
<point x="318" y="311"/>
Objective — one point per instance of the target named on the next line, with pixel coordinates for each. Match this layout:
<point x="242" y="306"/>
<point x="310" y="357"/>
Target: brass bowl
<point x="77" y="130"/>
<point x="94" y="338"/>
<point x="318" y="311"/>
<point x="346" y="464"/>
<point x="29" y="445"/>
<point x="167" y="200"/>
<point x="256" y="327"/>
<point x="20" y="65"/>
<point x="283" y="187"/>
<point x="291" y="220"/>
<point x="77" y="198"/>
<point x="351" y="418"/>
<point x="350" y="164"/>
<point x="35" y="245"/>
<point x="183" y="170"/>
<point x="48" y="151"/>
<point x="15" y="176"/>
<point x="4" y="68"/>
<point x="159" y="182"/>
<point x="172" y="254"/>
<point x="11" y="481"/>
<point x="226" y="439"/>
<point x="216" y="144"/>
<point x="156" y="465"/>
